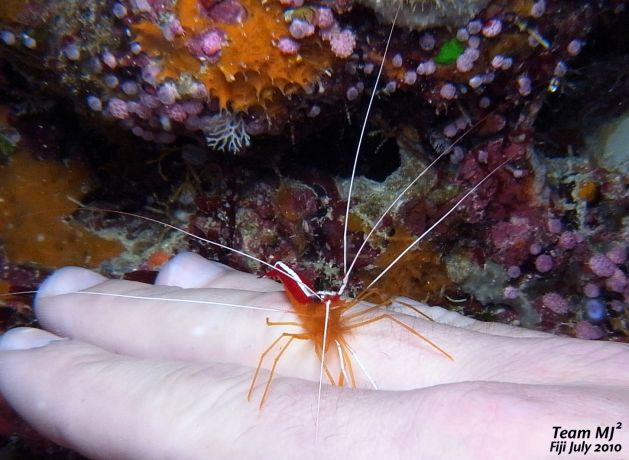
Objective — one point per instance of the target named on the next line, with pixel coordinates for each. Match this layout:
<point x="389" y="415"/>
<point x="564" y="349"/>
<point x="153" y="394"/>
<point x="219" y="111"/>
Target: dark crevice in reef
<point x="595" y="89"/>
<point x="331" y="150"/>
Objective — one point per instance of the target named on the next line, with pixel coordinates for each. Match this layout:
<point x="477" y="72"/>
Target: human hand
<point x="147" y="378"/>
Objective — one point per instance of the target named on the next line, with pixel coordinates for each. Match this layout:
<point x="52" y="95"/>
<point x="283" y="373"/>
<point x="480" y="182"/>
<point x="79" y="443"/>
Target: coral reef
<point x="422" y="14"/>
<point x="529" y="97"/>
<point x="42" y="236"/>
<point x="171" y="68"/>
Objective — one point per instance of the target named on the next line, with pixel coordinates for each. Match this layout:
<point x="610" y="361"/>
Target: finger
<point x="111" y="406"/>
<point x="25" y="338"/>
<point x="452" y="318"/>
<point x="149" y="326"/>
<point x="190" y="270"/>
<point x="118" y="407"/>
<point x="168" y="322"/>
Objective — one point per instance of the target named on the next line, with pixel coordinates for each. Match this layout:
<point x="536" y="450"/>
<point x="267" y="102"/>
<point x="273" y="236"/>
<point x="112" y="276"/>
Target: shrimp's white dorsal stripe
<point x="281" y="266"/>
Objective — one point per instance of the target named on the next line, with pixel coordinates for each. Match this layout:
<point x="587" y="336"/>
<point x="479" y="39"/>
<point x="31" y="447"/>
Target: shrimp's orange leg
<point x="303" y="336"/>
<point x="262" y="356"/>
<point x="282" y="323"/>
<point x="416" y="310"/>
<point x="348" y="361"/>
<point x="326" y="370"/>
<point x="405" y="326"/>
<point x="362" y="312"/>
<point x="385" y="303"/>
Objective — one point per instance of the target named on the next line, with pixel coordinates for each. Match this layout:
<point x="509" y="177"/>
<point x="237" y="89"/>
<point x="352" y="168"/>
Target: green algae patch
<point x="449" y="51"/>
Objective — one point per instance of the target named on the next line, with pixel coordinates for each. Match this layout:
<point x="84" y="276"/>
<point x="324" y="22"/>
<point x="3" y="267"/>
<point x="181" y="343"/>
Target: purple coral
<point x="118" y="108"/>
<point x="448" y="91"/>
<point x="601" y="265"/>
<point x="591" y="290"/>
<point x="343" y="43"/>
<point x="287" y="45"/>
<point x="617" y="254"/>
<point x="301" y="29"/>
<point x="586" y="330"/>
<point x="567" y="240"/>
<point x="492" y="28"/>
<point x="617" y="282"/>
<point x="323" y="18"/>
<point x="555" y="302"/>
<point x="544" y="263"/>
<point x="207" y="45"/>
<point x="228" y="12"/>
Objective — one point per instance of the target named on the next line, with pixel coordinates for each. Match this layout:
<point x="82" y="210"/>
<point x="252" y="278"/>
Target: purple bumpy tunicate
<point x="447" y="91"/>
<point x="323" y="18"/>
<point x="287" y="45"/>
<point x="228" y="12"/>
<point x="617" y="282"/>
<point x="207" y="45"/>
<point x="492" y="28"/>
<point x="601" y="265"/>
<point x="342" y="43"/>
<point x="567" y="240"/>
<point x="555" y="302"/>
<point x="617" y="254"/>
<point x="511" y="292"/>
<point x="591" y="290"/>
<point x="118" y="108"/>
<point x="301" y="29"/>
<point x="544" y="263"/>
<point x="426" y="67"/>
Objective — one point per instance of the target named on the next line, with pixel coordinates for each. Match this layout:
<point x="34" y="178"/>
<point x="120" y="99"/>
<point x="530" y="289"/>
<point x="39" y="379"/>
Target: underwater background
<point x="238" y="121"/>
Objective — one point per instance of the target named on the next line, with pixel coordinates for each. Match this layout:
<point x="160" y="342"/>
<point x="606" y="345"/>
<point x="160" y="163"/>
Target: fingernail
<point x="25" y="338"/>
<point x="67" y="280"/>
<point x="189" y="270"/>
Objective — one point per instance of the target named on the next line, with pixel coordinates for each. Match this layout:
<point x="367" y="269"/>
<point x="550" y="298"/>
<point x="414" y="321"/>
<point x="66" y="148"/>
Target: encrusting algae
<point x="33" y="207"/>
<point x="250" y="70"/>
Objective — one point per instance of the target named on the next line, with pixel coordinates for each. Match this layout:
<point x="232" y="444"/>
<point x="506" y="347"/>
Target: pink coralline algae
<point x="587" y="331"/>
<point x="617" y="282"/>
<point x="301" y="29"/>
<point x="207" y="45"/>
<point x="511" y="292"/>
<point x="343" y="43"/>
<point x="591" y="290"/>
<point x="617" y="254"/>
<point x="555" y="302"/>
<point x="228" y="12"/>
<point x="567" y="240"/>
<point x="287" y="45"/>
<point x="118" y="108"/>
<point x="601" y="265"/>
<point x="544" y="263"/>
<point x="323" y="18"/>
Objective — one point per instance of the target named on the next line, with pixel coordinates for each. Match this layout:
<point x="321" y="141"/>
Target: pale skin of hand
<point x="144" y="379"/>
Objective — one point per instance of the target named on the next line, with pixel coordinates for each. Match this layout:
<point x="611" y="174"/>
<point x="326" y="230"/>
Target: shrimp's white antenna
<point x="169" y="299"/>
<point x="325" y="338"/>
<point x="395" y="201"/>
<point x="441" y="219"/>
<point x="290" y="274"/>
<point x="362" y="135"/>
<point x="362" y="366"/>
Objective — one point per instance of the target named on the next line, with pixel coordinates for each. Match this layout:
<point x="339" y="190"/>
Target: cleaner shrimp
<point x="327" y="317"/>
